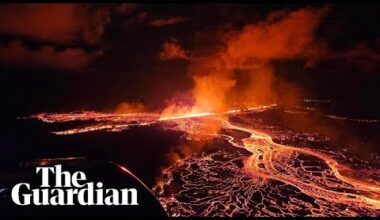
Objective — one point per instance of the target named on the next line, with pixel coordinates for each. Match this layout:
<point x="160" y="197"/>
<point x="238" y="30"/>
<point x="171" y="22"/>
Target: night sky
<point x="66" y="57"/>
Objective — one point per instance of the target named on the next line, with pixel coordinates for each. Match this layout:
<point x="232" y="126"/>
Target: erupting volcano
<point x="243" y="170"/>
<point x="216" y="109"/>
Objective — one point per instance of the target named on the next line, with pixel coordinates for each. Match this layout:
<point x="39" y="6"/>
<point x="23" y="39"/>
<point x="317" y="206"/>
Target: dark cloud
<point x="15" y="53"/>
<point x="359" y="56"/>
<point x="125" y="8"/>
<point x="60" y="23"/>
<point x="52" y="26"/>
<point x="159" y="22"/>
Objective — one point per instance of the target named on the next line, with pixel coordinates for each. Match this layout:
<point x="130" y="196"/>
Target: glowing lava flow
<point x="117" y="122"/>
<point x="276" y="180"/>
<point x="266" y="153"/>
<point x="178" y="117"/>
<point x="255" y="177"/>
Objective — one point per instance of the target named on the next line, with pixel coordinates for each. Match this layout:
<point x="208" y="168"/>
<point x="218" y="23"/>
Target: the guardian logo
<point x="70" y="189"/>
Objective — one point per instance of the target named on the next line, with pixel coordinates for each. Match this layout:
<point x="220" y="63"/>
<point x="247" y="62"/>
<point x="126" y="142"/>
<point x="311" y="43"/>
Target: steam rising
<point x="241" y="71"/>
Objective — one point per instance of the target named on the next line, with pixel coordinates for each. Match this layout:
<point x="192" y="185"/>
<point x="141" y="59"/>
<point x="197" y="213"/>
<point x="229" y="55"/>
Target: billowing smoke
<point x="240" y="71"/>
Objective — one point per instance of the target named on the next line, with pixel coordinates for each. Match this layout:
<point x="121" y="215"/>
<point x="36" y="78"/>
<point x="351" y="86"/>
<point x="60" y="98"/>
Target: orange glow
<point x="236" y="77"/>
<point x="202" y="114"/>
<point x="267" y="160"/>
<point x="239" y="71"/>
<point x="335" y="185"/>
<point x="125" y="107"/>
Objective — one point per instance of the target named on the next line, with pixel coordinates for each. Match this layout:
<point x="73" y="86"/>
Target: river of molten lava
<point x="268" y="160"/>
<point x="265" y="151"/>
